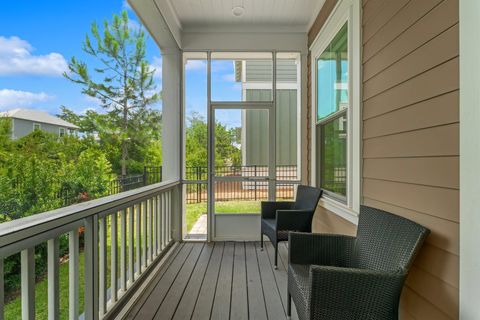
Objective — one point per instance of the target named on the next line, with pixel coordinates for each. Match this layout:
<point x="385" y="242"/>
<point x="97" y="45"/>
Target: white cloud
<point x="16" y="98"/>
<point x="16" y="58"/>
<point x="195" y="65"/>
<point x="157" y="65"/>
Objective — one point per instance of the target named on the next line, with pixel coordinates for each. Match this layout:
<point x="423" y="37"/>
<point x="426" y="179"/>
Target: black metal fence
<point x="248" y="190"/>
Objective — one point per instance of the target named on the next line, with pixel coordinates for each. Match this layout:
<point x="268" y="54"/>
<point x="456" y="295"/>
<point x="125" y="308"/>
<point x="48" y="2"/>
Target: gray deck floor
<point x="221" y="280"/>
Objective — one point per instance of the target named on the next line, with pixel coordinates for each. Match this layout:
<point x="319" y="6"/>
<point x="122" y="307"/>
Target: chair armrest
<point x="269" y="208"/>
<point x="320" y="249"/>
<point x="355" y="292"/>
<point x="295" y="220"/>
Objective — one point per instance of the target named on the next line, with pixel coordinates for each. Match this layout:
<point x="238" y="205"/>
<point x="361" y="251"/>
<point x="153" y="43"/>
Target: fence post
<point x="199" y="186"/>
<point x="255" y="186"/>
<point x="145" y="175"/>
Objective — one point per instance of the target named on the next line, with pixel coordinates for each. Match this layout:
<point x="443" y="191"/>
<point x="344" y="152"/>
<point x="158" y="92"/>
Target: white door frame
<point x="239" y="221"/>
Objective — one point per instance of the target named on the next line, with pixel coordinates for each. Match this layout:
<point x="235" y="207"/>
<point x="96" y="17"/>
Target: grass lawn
<point x="13" y="310"/>
<point x="195" y="210"/>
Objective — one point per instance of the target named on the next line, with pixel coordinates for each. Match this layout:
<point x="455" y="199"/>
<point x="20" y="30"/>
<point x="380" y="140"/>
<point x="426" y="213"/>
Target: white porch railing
<point x="139" y="224"/>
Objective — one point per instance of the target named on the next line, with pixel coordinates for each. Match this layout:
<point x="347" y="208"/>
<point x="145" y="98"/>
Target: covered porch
<point x="396" y="124"/>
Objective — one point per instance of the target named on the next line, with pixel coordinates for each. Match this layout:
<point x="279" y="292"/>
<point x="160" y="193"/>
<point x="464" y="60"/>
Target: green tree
<point x="123" y="83"/>
<point x="227" y="151"/>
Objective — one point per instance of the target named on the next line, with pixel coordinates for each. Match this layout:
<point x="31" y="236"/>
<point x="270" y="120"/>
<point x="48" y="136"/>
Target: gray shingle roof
<point x="37" y="116"/>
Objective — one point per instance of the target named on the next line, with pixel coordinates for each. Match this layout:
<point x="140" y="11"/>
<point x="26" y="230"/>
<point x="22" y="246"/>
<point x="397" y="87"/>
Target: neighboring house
<point x="25" y="121"/>
<point x="256" y="79"/>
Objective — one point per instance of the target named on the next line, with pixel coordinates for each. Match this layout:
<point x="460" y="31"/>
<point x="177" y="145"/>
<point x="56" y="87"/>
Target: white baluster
<point x="102" y="281"/>
<point x="73" y="283"/>
<point x="123" y="250"/>
<point x="144" y="234"/>
<point x="28" y="283"/>
<point x="2" y="287"/>
<point x="137" y="239"/>
<point x="53" y="279"/>
<point x="130" y="246"/>
<point x="91" y="268"/>
<point x="113" y="258"/>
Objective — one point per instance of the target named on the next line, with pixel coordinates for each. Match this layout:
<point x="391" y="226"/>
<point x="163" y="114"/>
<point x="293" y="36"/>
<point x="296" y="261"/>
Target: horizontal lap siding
<point x="411" y="138"/>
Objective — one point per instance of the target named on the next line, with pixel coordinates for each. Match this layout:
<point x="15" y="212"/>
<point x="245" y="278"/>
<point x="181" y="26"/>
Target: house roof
<point x="37" y="116"/>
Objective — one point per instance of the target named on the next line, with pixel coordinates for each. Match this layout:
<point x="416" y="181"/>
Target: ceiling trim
<point x="174" y="14"/>
<point x="250" y="28"/>
<point x="316" y="13"/>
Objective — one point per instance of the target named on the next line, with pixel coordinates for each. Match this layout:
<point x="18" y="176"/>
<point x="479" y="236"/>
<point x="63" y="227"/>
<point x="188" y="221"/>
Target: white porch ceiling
<point x="259" y="15"/>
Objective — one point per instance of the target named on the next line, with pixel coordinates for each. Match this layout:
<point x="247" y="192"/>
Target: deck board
<point x="203" y="308"/>
<point x="189" y="299"/>
<point x="221" y="280"/>
<point x="239" y="305"/>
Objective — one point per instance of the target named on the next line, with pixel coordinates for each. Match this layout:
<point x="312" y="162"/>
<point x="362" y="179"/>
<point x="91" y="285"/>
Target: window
<point x="61" y="132"/>
<point x="332" y="117"/>
<point x="336" y="120"/>
<point x="37" y="126"/>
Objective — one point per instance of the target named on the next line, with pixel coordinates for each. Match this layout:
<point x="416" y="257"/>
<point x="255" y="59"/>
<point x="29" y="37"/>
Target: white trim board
<point x="345" y="10"/>
<point x="469" y="159"/>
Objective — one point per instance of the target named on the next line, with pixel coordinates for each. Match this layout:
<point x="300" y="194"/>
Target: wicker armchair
<point x="341" y="277"/>
<point x="278" y="218"/>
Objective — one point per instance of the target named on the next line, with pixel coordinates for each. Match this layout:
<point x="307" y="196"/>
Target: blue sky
<point x="38" y="38"/>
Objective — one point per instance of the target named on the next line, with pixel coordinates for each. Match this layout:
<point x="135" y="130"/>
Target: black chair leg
<point x="289" y="305"/>
<point x="261" y="241"/>
<point x="276" y="256"/>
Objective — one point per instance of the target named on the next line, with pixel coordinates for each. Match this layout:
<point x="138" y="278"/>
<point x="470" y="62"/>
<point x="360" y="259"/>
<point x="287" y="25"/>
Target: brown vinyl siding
<point x="411" y="138"/>
<point x="410" y="111"/>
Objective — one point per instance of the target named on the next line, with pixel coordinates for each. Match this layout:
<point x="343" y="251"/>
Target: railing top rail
<point x="24" y="228"/>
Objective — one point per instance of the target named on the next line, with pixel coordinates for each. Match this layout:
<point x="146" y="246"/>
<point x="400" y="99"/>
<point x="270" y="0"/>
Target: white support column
<point x="171" y="113"/>
<point x="172" y="65"/>
<point x="469" y="158"/>
<point x="28" y="283"/>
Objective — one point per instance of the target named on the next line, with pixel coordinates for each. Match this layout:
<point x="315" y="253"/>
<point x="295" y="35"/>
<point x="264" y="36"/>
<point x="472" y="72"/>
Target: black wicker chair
<point x="341" y="277"/>
<point x="278" y="218"/>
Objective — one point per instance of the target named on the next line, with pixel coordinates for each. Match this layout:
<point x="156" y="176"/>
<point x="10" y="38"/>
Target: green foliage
<point x="123" y="82"/>
<point x="227" y="152"/>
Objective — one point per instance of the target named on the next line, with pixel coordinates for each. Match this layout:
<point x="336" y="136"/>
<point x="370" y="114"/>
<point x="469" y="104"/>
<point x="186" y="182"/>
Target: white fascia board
<point x="248" y="41"/>
<point x="157" y="18"/>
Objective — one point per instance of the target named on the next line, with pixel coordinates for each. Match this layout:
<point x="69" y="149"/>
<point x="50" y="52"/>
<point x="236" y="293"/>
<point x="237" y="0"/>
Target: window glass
<point x="332" y="76"/>
<point x="333" y="156"/>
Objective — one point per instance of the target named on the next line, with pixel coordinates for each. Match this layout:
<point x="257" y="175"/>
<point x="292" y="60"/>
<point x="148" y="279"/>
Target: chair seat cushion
<point x="269" y="227"/>
<point x="299" y="288"/>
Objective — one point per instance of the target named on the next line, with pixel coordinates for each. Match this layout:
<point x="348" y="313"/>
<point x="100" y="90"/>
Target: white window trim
<point x="345" y="10"/>
<point x="60" y="131"/>
<point x="37" y="124"/>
